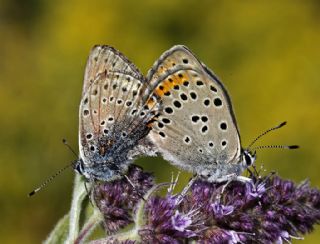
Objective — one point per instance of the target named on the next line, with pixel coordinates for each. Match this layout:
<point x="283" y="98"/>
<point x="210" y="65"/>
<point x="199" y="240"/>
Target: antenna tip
<point x="283" y="124"/>
<point x="64" y="141"/>
<point x="31" y="193"/>
<point x="293" y="147"/>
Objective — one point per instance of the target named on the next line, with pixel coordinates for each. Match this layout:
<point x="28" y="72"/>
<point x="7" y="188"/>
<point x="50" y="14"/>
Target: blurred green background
<point x="267" y="54"/>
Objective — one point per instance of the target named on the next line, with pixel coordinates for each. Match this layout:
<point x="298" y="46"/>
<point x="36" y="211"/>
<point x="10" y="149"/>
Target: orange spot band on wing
<point x="168" y="84"/>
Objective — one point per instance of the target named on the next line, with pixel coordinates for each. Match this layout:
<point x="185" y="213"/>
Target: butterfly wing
<point x="103" y="57"/>
<point x="196" y="129"/>
<point x="112" y="118"/>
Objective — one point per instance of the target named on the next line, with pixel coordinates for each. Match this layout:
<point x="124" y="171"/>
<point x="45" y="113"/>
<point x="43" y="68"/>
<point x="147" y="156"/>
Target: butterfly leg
<point x="243" y="179"/>
<point x="134" y="187"/>
<point x="173" y="183"/>
<point x="228" y="181"/>
<point x="89" y="190"/>
<point x="186" y="189"/>
<point x="231" y="177"/>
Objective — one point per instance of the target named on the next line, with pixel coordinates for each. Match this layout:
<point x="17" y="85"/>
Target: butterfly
<point x="196" y="129"/>
<point x="113" y="119"/>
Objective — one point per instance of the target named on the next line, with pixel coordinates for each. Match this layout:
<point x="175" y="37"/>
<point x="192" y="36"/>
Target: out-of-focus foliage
<point x="267" y="54"/>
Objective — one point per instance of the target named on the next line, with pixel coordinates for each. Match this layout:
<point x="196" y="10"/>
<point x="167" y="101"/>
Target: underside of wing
<point x="112" y="116"/>
<point x="196" y="125"/>
<point x="106" y="58"/>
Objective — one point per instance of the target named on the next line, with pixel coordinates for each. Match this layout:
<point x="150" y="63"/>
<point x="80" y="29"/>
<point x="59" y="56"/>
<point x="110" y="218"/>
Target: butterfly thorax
<point x="220" y="171"/>
<point x="110" y="155"/>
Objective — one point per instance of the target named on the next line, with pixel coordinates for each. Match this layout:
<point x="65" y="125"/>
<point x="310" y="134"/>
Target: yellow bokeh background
<point x="267" y="53"/>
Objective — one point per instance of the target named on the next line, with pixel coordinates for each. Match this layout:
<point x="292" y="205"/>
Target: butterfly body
<point x="196" y="129"/>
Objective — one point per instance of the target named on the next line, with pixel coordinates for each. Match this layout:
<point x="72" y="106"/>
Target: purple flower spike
<point x="270" y="210"/>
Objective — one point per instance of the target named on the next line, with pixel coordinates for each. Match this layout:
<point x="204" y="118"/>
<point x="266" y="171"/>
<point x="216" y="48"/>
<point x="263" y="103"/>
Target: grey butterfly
<point x="196" y="129"/>
<point x="113" y="120"/>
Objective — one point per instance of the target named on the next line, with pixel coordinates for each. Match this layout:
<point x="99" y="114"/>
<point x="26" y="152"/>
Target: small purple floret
<point x="221" y="210"/>
<point x="180" y="222"/>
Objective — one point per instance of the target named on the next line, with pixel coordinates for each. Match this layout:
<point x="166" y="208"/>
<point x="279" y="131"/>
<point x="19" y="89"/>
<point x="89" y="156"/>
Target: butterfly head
<point x="79" y="167"/>
<point x="248" y="155"/>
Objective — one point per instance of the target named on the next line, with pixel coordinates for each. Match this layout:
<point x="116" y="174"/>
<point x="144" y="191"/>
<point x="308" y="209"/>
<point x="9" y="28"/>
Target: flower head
<point x="117" y="199"/>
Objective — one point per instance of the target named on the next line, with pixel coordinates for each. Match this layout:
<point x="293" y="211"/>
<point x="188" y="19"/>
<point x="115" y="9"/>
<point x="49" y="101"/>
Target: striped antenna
<point x="266" y="132"/>
<point x="47" y="181"/>
<point x="276" y="146"/>
<point x="50" y="179"/>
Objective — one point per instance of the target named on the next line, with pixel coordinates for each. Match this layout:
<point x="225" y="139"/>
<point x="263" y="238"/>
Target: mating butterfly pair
<point x="181" y="110"/>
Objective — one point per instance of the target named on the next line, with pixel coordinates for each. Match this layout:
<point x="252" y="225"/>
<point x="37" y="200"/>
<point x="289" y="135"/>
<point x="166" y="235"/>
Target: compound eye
<point x="78" y="167"/>
<point x="248" y="159"/>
